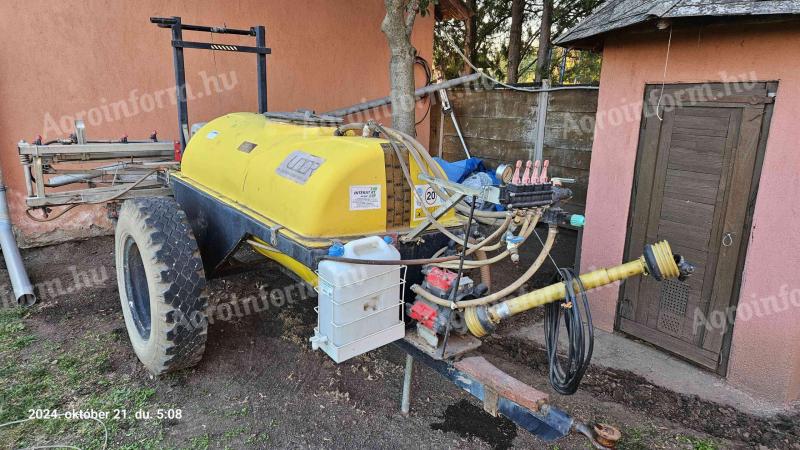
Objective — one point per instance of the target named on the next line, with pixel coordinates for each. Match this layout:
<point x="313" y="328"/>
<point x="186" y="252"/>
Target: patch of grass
<point x="22" y="342"/>
<point x="241" y="412"/>
<point x="47" y="376"/>
<point x="70" y="366"/>
<point x="233" y="432"/>
<point x="698" y="443"/>
<point x="635" y="438"/>
<point x="26" y="380"/>
<point x="128" y="398"/>
<point x="261" y="437"/>
<point x="199" y="442"/>
<point x="26" y="384"/>
<point x="11" y="325"/>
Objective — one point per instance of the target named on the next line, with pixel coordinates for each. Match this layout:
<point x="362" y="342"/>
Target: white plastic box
<point x="360" y="306"/>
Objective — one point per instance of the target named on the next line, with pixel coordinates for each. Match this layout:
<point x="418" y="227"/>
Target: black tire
<point x="161" y="284"/>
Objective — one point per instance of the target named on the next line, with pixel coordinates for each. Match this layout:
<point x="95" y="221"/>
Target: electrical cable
<point x="664" y="77"/>
<point x="28" y="419"/>
<point x="126" y="190"/>
<point x="565" y="379"/>
<point x="49" y="218"/>
<point x="425" y="116"/>
<point x="548" y="254"/>
<point x="426" y="67"/>
<point x="95" y="202"/>
<point x="508" y="86"/>
<point x="428" y="81"/>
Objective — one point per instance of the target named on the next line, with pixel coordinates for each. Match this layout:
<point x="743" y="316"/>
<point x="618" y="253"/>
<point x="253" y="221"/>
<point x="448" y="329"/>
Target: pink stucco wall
<point x="62" y="58"/>
<point x="765" y="353"/>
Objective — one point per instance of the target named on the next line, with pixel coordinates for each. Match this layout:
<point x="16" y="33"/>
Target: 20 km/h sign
<point x="428" y="198"/>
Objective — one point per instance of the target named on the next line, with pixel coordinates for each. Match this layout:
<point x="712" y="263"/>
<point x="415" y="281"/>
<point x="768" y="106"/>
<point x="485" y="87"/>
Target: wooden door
<point x="696" y="177"/>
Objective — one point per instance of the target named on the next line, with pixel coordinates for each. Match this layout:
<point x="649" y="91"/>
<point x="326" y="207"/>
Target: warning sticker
<point x="299" y="166"/>
<point x="429" y="200"/>
<point x="365" y="197"/>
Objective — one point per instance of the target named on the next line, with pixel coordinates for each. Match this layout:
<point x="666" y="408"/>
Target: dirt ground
<point x="261" y="386"/>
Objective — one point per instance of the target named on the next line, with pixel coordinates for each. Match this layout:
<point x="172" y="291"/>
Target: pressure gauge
<point x="504" y="173"/>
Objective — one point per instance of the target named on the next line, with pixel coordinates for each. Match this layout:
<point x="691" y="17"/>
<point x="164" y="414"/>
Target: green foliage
<point x="567" y="13"/>
<point x="492" y="19"/>
<point x="493" y="22"/>
<point x="580" y="67"/>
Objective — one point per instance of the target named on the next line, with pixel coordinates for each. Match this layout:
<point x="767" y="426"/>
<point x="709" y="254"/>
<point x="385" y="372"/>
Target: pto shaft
<point x="657" y="261"/>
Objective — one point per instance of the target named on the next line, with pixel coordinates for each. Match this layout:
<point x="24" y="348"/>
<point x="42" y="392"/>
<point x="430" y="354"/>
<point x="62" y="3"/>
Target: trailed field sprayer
<point x="359" y="211"/>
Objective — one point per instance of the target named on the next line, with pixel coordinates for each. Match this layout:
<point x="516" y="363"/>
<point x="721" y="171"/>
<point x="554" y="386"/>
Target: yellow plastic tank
<point x="304" y="178"/>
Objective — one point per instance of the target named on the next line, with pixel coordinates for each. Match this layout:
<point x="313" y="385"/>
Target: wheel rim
<point x="136" y="288"/>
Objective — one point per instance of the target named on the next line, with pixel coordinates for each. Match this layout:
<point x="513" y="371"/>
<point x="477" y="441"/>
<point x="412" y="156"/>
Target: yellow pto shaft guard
<point x="657" y="261"/>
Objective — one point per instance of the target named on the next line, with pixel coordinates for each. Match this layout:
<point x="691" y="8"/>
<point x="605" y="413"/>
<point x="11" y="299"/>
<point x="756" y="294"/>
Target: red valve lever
<point x="535" y="177"/>
<point x="543" y="177"/>
<point x="515" y="180"/>
<point x="526" y="178"/>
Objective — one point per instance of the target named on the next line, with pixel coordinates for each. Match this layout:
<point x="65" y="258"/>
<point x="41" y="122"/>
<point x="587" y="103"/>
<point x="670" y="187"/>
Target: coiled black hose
<point x="565" y="380"/>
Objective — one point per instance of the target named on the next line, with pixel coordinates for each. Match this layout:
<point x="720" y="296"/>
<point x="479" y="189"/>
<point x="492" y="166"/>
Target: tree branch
<point x="412" y="8"/>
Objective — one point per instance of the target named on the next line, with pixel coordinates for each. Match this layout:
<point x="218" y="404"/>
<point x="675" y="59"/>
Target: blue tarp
<point x="458" y="171"/>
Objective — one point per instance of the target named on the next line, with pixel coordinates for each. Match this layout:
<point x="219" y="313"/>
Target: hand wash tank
<point x="360" y="306"/>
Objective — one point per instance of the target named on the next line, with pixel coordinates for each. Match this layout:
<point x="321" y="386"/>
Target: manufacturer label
<point x="365" y="197"/>
<point x="428" y="198"/>
<point x="299" y="166"/>
<point x="247" y="146"/>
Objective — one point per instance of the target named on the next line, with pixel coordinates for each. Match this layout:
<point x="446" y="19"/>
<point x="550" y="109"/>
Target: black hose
<point x="581" y="341"/>
<point x="426" y="67"/>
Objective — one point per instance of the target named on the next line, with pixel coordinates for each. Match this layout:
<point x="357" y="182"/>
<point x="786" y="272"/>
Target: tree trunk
<point x="515" y="40"/>
<point x="470" y="36"/>
<point x="397" y="26"/>
<point x="543" y="56"/>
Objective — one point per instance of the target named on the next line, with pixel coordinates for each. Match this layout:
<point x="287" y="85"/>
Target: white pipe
<point x="23" y="290"/>
<point x="82" y="177"/>
<point x="346" y="111"/>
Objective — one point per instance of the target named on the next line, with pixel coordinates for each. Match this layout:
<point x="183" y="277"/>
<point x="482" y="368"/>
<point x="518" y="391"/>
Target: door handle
<point x="727" y="239"/>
